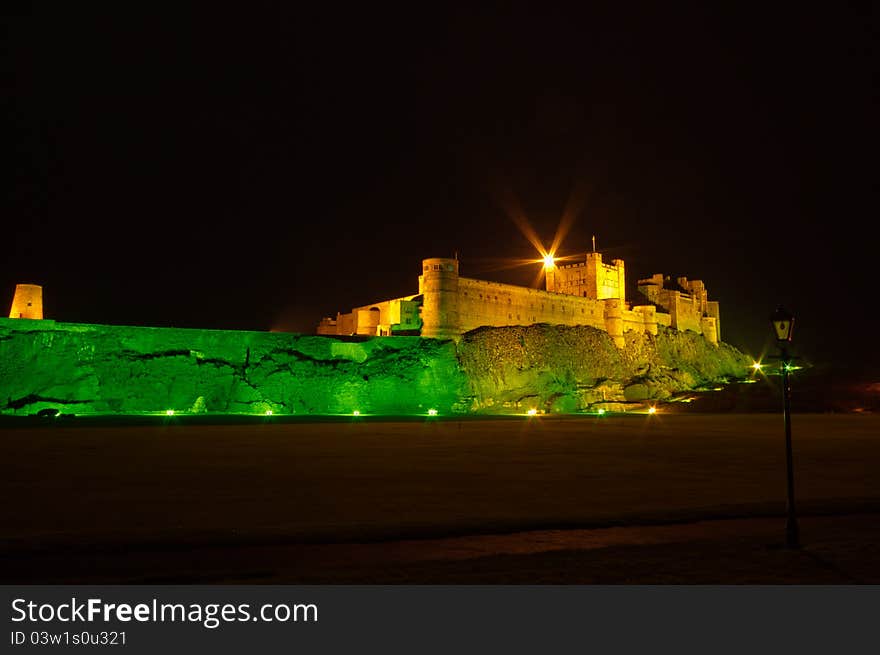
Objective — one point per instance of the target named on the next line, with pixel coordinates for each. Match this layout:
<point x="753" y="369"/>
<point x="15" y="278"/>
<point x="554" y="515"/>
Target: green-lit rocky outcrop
<point x="102" y="369"/>
<point x="574" y="368"/>
<point x="120" y="369"/>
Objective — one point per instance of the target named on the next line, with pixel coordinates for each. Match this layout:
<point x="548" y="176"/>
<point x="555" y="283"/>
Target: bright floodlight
<point x="532" y="411"/>
<point x="169" y="412"/>
<point x="356" y="413"/>
<point x="757" y="366"/>
<point x="268" y="412"/>
<point x="549" y="261"/>
<point x="652" y="410"/>
<point x="601" y="411"/>
<point x="432" y="412"/>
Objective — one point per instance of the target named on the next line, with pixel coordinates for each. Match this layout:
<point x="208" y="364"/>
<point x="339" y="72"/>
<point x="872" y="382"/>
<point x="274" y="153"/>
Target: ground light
<point x="169" y="412"/>
<point x="268" y="412"/>
<point x="355" y="413"/>
<point x="432" y="412"/>
<point x="652" y="410"/>
<point x="532" y="412"/>
<point x="601" y="412"/>
<point x="757" y="366"/>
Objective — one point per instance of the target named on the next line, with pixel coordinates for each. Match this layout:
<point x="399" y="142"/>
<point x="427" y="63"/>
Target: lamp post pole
<point x="783" y="325"/>
<point x="792" y="534"/>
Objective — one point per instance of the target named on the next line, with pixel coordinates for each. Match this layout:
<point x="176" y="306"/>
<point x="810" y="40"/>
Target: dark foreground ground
<point x="633" y="499"/>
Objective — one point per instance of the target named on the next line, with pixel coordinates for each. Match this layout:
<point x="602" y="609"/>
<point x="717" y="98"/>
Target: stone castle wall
<point x="483" y="303"/>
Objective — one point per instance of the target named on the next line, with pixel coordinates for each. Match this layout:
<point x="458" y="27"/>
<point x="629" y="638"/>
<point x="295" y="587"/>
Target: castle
<point x="589" y="292"/>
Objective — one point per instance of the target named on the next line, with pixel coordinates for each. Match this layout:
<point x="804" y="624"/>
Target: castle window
<point x="436" y="267"/>
<point x="427" y="268"/>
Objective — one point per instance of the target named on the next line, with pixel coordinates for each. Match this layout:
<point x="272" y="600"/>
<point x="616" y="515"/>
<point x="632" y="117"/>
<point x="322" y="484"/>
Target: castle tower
<point x="551" y="275"/>
<point x="27" y="302"/>
<point x="649" y="316"/>
<point x="605" y="280"/>
<point x="438" y="285"/>
<point x="591" y="278"/>
<point x="709" y="329"/>
<point x="614" y="320"/>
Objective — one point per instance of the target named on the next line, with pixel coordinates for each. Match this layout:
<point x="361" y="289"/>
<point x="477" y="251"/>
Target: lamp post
<point x="783" y="325"/>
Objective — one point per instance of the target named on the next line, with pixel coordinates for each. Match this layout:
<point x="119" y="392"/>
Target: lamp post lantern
<point x="783" y="326"/>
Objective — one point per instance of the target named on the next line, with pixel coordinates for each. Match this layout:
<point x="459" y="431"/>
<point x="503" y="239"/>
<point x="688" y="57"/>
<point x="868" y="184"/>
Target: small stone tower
<point x="614" y="320"/>
<point x="27" y="302"/>
<point x="438" y="285"/>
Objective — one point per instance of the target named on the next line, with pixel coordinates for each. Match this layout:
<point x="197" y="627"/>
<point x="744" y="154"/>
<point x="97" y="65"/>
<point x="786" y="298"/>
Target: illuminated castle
<point x="589" y="292"/>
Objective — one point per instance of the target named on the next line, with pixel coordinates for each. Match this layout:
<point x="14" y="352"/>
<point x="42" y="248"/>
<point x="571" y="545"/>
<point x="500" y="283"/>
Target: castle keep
<point x="590" y="292"/>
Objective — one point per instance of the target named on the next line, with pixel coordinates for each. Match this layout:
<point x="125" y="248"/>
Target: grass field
<point x="579" y="499"/>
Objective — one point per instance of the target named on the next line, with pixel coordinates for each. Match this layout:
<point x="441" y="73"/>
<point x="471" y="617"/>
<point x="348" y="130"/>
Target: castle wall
<point x="344" y="324"/>
<point x="686" y="314"/>
<point x="328" y="326"/>
<point x="495" y="304"/>
<point x="375" y="319"/>
<point x="642" y="319"/>
<point x="483" y="303"/>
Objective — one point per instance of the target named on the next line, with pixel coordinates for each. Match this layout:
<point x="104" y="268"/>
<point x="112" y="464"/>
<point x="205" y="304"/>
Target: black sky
<point x="263" y="168"/>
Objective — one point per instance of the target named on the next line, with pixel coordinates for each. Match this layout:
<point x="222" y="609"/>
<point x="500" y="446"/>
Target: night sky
<point x="262" y="169"/>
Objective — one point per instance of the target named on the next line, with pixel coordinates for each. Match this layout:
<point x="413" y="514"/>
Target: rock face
<point x="85" y="369"/>
<point x="572" y="368"/>
<point x="118" y="369"/>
